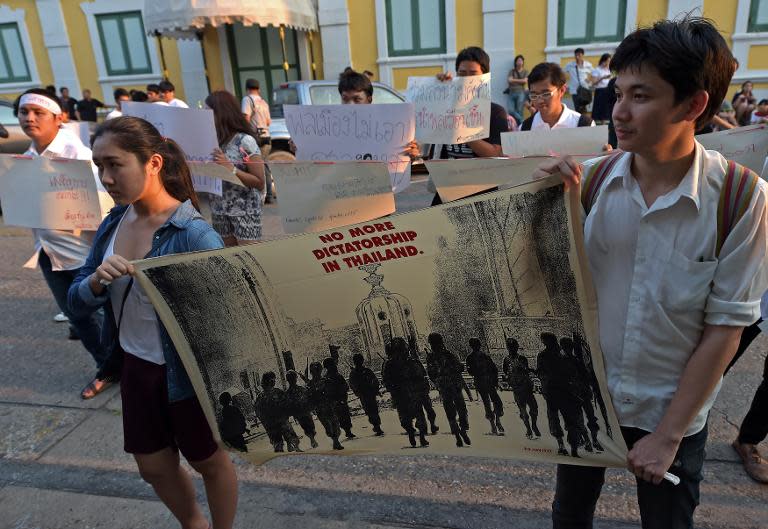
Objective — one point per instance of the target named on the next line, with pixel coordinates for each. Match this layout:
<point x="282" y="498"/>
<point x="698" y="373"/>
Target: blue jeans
<point x="88" y="327"/>
<point x="663" y="506"/>
<point x="516" y="105"/>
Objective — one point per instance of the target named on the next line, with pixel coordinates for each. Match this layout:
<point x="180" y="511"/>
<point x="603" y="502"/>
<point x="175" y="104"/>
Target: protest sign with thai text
<point x="745" y="145"/>
<point x="448" y="112"/>
<point x="555" y="142"/>
<point x="378" y="132"/>
<point x="316" y="196"/>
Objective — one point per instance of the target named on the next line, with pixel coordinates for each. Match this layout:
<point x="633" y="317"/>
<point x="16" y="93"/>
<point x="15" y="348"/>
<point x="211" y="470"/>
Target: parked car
<point x="17" y="142"/>
<point x="314" y="93"/>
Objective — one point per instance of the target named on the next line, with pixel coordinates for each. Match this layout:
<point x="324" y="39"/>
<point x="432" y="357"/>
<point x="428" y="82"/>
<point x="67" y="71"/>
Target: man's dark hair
<point x="120" y="92"/>
<point x="578" y="50"/>
<point x="152" y="87"/>
<point x="252" y="84"/>
<point x="763" y="102"/>
<point x="268" y="379"/>
<point x="50" y="89"/>
<point x="139" y="96"/>
<point x="358" y="359"/>
<point x="474" y="54"/>
<point x="38" y="91"/>
<point x="352" y="81"/>
<point x="166" y="86"/>
<point x="690" y="54"/>
<point x="63" y="88"/>
<point x="547" y="71"/>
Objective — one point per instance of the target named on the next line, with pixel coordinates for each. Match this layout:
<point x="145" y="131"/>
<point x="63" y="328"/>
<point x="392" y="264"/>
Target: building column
<point x="333" y="19"/>
<point x="57" y="43"/>
<point x="499" y="43"/>
<point x="192" y="71"/>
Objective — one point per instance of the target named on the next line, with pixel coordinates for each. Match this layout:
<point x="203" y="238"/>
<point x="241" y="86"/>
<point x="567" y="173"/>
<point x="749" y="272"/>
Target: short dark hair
<point x="139" y="96"/>
<point x="252" y="84"/>
<point x="120" y="92"/>
<point x="518" y="57"/>
<point x="604" y="57"/>
<point x="690" y="54"/>
<point x="578" y="50"/>
<point x="352" y="81"/>
<point x="152" y="87"/>
<point x="474" y="54"/>
<point x="166" y="86"/>
<point x="763" y="102"/>
<point x="547" y="71"/>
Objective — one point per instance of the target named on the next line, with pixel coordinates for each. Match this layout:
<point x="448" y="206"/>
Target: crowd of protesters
<point x="667" y="334"/>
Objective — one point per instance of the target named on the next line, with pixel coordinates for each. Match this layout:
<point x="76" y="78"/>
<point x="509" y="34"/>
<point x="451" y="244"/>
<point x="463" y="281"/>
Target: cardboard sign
<point x="194" y="130"/>
<point x="354" y="133"/>
<point x="317" y="196"/>
<point x="555" y="142"/>
<point x="407" y="293"/>
<point x="448" y="112"/>
<point x="456" y="179"/>
<point x="745" y="145"/>
<point x="58" y="194"/>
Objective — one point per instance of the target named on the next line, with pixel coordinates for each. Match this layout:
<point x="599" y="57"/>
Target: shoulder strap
<point x="593" y="179"/>
<point x="527" y="124"/>
<point x="584" y="121"/>
<point x="735" y="196"/>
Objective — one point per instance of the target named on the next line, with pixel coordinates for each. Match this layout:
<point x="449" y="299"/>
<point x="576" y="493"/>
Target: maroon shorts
<point x="151" y="423"/>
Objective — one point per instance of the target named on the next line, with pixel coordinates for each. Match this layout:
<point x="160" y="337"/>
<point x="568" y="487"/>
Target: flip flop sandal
<point x="95" y="387"/>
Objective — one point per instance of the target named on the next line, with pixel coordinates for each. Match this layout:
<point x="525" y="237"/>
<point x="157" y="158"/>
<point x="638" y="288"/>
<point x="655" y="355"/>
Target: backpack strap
<point x="584" y="121"/>
<point x="593" y="179"/>
<point x="735" y="196"/>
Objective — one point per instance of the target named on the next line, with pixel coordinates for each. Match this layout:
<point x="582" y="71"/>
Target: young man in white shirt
<point x="674" y="290"/>
<point x="121" y="96"/>
<point x="61" y="253"/>
<point x="579" y="75"/>
<point x="546" y="84"/>
<point x="168" y="95"/>
<point x="256" y="110"/>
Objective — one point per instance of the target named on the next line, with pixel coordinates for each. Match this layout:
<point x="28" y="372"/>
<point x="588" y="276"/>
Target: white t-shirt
<point x="139" y="326"/>
<point x="600" y="72"/>
<point x="177" y="103"/>
<point x="576" y="74"/>
<point x="569" y="119"/>
<point x="114" y="114"/>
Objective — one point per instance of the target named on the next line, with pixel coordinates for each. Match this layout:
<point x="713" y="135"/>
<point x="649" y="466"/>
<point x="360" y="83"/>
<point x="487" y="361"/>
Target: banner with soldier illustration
<point x="464" y="329"/>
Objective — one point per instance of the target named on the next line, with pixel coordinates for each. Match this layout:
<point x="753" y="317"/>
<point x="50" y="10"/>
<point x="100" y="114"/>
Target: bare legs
<point x="173" y="485"/>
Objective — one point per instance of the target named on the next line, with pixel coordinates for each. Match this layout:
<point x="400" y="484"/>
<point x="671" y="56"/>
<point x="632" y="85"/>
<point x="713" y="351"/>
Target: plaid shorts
<point x="241" y="227"/>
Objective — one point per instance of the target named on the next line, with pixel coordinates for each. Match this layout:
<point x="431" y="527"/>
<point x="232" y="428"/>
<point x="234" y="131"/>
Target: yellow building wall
<point x="316" y="49"/>
<point x="400" y="75"/>
<point x="649" y="11"/>
<point x="723" y="13"/>
<point x="362" y="37"/>
<point x="82" y="49"/>
<point x="39" y="51"/>
<point x="469" y="23"/>
<point x="212" y="53"/>
<point x="531" y="31"/>
<point x="173" y="67"/>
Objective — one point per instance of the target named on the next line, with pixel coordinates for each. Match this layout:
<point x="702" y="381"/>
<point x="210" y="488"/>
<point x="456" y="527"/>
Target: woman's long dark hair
<point x="140" y="138"/>
<point x="227" y="116"/>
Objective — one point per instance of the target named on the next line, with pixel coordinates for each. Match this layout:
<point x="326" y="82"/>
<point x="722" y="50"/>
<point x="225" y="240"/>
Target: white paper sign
<point x="456" y="179"/>
<point x="555" y="142"/>
<point x="745" y="145"/>
<point x="58" y="194"/>
<point x="354" y="133"/>
<point x="194" y="130"/>
<point x="81" y="129"/>
<point x="316" y="196"/>
<point x="449" y="112"/>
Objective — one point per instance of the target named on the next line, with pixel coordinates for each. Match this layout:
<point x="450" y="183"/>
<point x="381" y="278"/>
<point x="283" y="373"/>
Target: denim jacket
<point x="185" y="231"/>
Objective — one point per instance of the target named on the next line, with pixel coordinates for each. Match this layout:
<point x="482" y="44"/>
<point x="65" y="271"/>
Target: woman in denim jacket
<point x="148" y="178"/>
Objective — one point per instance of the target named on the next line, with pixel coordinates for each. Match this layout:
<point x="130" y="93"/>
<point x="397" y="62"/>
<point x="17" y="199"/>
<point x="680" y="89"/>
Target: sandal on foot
<point x="94" y="387"/>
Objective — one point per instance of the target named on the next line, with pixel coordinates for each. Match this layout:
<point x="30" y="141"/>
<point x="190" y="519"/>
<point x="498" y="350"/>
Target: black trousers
<point x="754" y="428"/>
<point x="371" y="408"/>
<point x="662" y="506"/>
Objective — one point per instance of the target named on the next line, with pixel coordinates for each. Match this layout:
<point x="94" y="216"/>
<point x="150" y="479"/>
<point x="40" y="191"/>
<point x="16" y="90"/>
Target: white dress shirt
<point x="578" y="73"/>
<point x="659" y="282"/>
<point x="67" y="249"/>
<point x="177" y="103"/>
<point x="114" y="114"/>
<point x="569" y="119"/>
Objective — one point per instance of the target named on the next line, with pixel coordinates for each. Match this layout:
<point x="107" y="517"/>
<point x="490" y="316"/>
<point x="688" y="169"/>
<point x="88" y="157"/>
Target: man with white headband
<point x="60" y="254"/>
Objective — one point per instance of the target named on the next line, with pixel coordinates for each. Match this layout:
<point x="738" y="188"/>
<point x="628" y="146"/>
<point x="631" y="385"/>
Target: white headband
<point x="41" y="101"/>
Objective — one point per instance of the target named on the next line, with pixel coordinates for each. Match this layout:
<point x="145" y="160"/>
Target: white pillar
<point x="333" y="19"/>
<point x="57" y="43"/>
<point x="499" y="43"/>
<point x="192" y="71"/>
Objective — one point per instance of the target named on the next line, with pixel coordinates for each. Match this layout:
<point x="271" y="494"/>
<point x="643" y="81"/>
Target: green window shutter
<point x="124" y="43"/>
<point x="13" y="60"/>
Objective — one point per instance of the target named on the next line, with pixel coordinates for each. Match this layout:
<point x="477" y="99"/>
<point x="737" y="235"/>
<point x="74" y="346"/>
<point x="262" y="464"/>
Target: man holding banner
<point x="59" y="253"/>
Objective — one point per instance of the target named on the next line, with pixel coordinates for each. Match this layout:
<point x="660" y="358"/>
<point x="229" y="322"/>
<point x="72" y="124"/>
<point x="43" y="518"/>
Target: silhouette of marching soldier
<point x="556" y="374"/>
<point x="271" y="407"/>
<point x="337" y="391"/>
<point x="518" y="374"/>
<point x="299" y="406"/>
<point x="365" y="385"/>
<point x="445" y="370"/>
<point x="321" y="403"/>
<point x="232" y="423"/>
<point x="486" y="375"/>
<point x="403" y="377"/>
<point x="581" y="352"/>
<point x="583" y="392"/>
<point x="422" y="389"/>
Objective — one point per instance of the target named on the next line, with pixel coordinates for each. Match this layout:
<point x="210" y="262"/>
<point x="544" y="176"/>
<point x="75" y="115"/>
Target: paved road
<point x="62" y="464"/>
